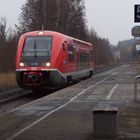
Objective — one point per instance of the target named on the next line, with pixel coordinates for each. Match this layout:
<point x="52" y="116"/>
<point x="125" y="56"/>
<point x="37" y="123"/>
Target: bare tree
<point x="8" y="43"/>
<point x="59" y="15"/>
<point x="102" y="49"/>
<point x="3" y="32"/>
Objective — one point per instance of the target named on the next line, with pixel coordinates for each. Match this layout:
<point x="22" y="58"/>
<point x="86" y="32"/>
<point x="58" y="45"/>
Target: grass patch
<point x="7" y="81"/>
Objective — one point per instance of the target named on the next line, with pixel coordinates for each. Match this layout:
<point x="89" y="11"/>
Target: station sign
<point x="137" y="13"/>
<point x="136" y="29"/>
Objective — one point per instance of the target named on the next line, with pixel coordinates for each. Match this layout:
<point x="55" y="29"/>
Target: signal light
<point x="41" y="33"/>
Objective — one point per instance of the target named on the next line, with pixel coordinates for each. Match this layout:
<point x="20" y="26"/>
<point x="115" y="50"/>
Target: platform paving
<point x="67" y="115"/>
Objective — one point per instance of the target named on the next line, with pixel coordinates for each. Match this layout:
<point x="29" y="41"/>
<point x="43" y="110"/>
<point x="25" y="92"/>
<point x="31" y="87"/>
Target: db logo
<point x="34" y="68"/>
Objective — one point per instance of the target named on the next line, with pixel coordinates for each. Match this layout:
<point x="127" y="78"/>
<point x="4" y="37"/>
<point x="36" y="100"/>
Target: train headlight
<point x="22" y="64"/>
<point x="48" y="64"/>
<point x="40" y="33"/>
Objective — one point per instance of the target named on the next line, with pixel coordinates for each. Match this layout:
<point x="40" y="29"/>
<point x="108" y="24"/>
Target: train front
<point x="33" y="61"/>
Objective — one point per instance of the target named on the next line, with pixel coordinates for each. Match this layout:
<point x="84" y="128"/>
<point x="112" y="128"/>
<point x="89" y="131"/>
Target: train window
<point x="84" y="60"/>
<point x="91" y="55"/>
<point x="70" y="53"/>
<point x="37" y="46"/>
<point x="84" y="57"/>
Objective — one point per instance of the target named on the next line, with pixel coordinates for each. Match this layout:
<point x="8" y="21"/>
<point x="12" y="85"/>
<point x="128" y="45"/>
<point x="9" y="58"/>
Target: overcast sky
<point x="11" y="10"/>
<point x="112" y="19"/>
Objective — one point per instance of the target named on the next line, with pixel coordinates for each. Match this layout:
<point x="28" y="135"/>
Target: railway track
<point x="19" y="100"/>
<point x="6" y="99"/>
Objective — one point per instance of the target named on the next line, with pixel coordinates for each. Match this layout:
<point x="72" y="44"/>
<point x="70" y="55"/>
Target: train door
<point x="64" y="57"/>
<point x="71" y="57"/>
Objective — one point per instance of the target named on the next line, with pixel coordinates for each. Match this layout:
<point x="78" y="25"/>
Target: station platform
<point x="68" y="113"/>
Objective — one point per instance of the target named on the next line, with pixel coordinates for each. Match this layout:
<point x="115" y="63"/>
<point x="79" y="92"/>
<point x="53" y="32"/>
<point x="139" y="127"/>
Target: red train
<point x="51" y="59"/>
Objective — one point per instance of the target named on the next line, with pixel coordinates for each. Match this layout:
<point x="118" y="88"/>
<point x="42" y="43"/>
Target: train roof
<point x="46" y="32"/>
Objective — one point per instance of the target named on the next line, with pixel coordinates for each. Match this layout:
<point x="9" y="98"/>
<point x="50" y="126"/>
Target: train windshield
<point x="37" y="46"/>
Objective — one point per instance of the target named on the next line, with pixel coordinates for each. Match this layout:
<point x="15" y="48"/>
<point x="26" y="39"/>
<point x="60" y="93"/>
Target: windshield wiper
<point x="35" y="47"/>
